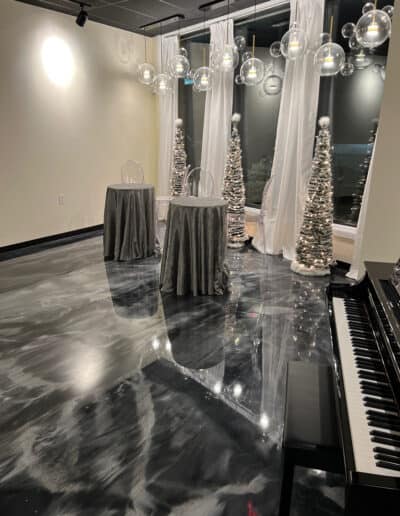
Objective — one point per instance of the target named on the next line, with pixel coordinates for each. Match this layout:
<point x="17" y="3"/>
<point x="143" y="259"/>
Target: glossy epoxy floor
<point x="117" y="401"/>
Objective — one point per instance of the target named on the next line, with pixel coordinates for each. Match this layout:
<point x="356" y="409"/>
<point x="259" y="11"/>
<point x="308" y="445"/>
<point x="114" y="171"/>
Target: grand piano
<point x="365" y="324"/>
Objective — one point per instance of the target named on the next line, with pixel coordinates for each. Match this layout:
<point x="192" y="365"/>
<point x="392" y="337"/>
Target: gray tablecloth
<point x="129" y="222"/>
<point x="194" y="247"/>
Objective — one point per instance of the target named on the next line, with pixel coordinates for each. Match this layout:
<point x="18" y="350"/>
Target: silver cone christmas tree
<point x="180" y="167"/>
<point x="360" y="186"/>
<point x="314" y="253"/>
<point x="233" y="191"/>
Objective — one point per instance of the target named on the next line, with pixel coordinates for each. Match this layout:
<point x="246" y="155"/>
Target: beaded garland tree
<point x="233" y="190"/>
<point x="314" y="247"/>
<point x="180" y="167"/>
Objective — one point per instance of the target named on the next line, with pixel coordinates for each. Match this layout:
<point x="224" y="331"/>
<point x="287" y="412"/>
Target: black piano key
<point x="386" y="435"/>
<point x="388" y="458"/>
<point x="387" y="451"/>
<point x="369" y="365"/>
<point x="361" y="334"/>
<point x="388" y="465"/>
<point x="379" y="404"/>
<point x="378" y="423"/>
<point x="385" y="440"/>
<point x="368" y="375"/>
<point x="377" y="391"/>
<point x="384" y="416"/>
<point x="359" y="326"/>
<point x="366" y="344"/>
<point x="358" y="352"/>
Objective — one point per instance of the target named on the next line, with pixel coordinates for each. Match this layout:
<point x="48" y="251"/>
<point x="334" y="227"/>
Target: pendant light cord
<point x="161" y="45"/>
<point x="145" y="45"/>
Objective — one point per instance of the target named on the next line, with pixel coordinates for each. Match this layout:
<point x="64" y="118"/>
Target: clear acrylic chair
<point x="132" y="172"/>
<point x="199" y="183"/>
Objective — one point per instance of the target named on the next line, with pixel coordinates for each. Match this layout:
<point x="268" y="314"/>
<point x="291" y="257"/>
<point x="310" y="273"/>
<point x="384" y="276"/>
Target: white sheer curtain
<point x="168" y="113"/>
<point x="217" y="114"/>
<point x="284" y="196"/>
<point x="357" y="268"/>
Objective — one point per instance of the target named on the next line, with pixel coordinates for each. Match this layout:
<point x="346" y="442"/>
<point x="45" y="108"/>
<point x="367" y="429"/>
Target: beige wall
<point x="71" y="140"/>
<point x="381" y="240"/>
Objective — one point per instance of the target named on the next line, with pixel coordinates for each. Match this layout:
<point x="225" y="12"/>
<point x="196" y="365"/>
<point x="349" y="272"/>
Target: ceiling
<point x="133" y="14"/>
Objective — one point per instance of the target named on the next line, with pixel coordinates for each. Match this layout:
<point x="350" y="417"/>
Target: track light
<point x="82" y="17"/>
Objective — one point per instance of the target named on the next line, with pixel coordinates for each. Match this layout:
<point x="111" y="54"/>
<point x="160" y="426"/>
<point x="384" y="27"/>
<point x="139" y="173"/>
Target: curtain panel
<point x="217" y="114"/>
<point x="284" y="195"/>
<point x="167" y="113"/>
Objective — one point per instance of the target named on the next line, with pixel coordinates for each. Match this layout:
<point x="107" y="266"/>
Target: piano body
<point x="365" y="324"/>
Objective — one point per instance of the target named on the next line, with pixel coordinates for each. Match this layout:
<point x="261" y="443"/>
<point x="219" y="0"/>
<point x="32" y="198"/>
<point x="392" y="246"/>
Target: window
<point x="354" y="104"/>
<point x="259" y="111"/>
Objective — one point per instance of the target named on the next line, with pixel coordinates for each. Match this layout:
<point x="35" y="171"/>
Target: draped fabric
<point x="217" y="114"/>
<point x="357" y="268"/>
<point x="168" y="113"/>
<point x="129" y="222"/>
<point x="284" y="195"/>
<point x="194" y="247"/>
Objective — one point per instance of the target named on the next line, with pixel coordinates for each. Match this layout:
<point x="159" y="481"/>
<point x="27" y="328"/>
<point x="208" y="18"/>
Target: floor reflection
<point x="116" y="400"/>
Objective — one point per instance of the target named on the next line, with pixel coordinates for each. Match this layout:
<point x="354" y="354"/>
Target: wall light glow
<point x="58" y="61"/>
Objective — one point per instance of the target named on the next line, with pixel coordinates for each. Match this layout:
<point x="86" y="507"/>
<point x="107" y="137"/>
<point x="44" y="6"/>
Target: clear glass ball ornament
<point x="294" y="43"/>
<point x="347" y="69"/>
<point x="246" y="56"/>
<point x="353" y="43"/>
<point x="240" y="42"/>
<point x="183" y="52"/>
<point x="275" y="49"/>
<point x="373" y="29"/>
<point x="329" y="59"/>
<point x="162" y="84"/>
<point x="388" y="9"/>
<point x="361" y="60"/>
<point x="238" y="80"/>
<point x="272" y="84"/>
<point x="348" y="29"/>
<point x="229" y="58"/>
<point x="202" y="78"/>
<point x="324" y="37"/>
<point x="369" y="6"/>
<point x="146" y="73"/>
<point x="252" y="71"/>
<point x="179" y="66"/>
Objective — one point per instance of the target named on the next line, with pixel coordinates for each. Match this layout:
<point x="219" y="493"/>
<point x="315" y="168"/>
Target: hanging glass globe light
<point x="329" y="59"/>
<point x="388" y="9"/>
<point x="361" y="60"/>
<point x="347" y="69"/>
<point x="179" y="66"/>
<point x="272" y="85"/>
<point x="146" y="73"/>
<point x="294" y="43"/>
<point x="369" y="6"/>
<point x="252" y="71"/>
<point x="353" y="43"/>
<point x="162" y="84"/>
<point x="238" y="80"/>
<point x="202" y="78"/>
<point x="240" y="42"/>
<point x="373" y="29"/>
<point x="348" y="30"/>
<point x="275" y="49"/>
<point x="246" y="56"/>
<point x="229" y="58"/>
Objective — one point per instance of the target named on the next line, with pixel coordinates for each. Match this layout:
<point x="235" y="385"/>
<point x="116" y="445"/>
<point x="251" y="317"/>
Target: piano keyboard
<point x="374" y="417"/>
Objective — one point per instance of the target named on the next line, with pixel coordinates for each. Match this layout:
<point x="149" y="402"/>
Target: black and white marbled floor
<point x="117" y="401"/>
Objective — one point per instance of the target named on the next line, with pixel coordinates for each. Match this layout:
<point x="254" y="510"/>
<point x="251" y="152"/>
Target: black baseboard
<point x="40" y="244"/>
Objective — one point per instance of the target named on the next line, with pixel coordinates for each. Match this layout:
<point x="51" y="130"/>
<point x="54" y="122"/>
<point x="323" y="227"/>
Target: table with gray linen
<point x="129" y="222"/>
<point x="194" y="247"/>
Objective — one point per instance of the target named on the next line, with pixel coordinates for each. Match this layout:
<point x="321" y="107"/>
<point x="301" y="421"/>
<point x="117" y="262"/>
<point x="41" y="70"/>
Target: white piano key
<point x="359" y="428"/>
